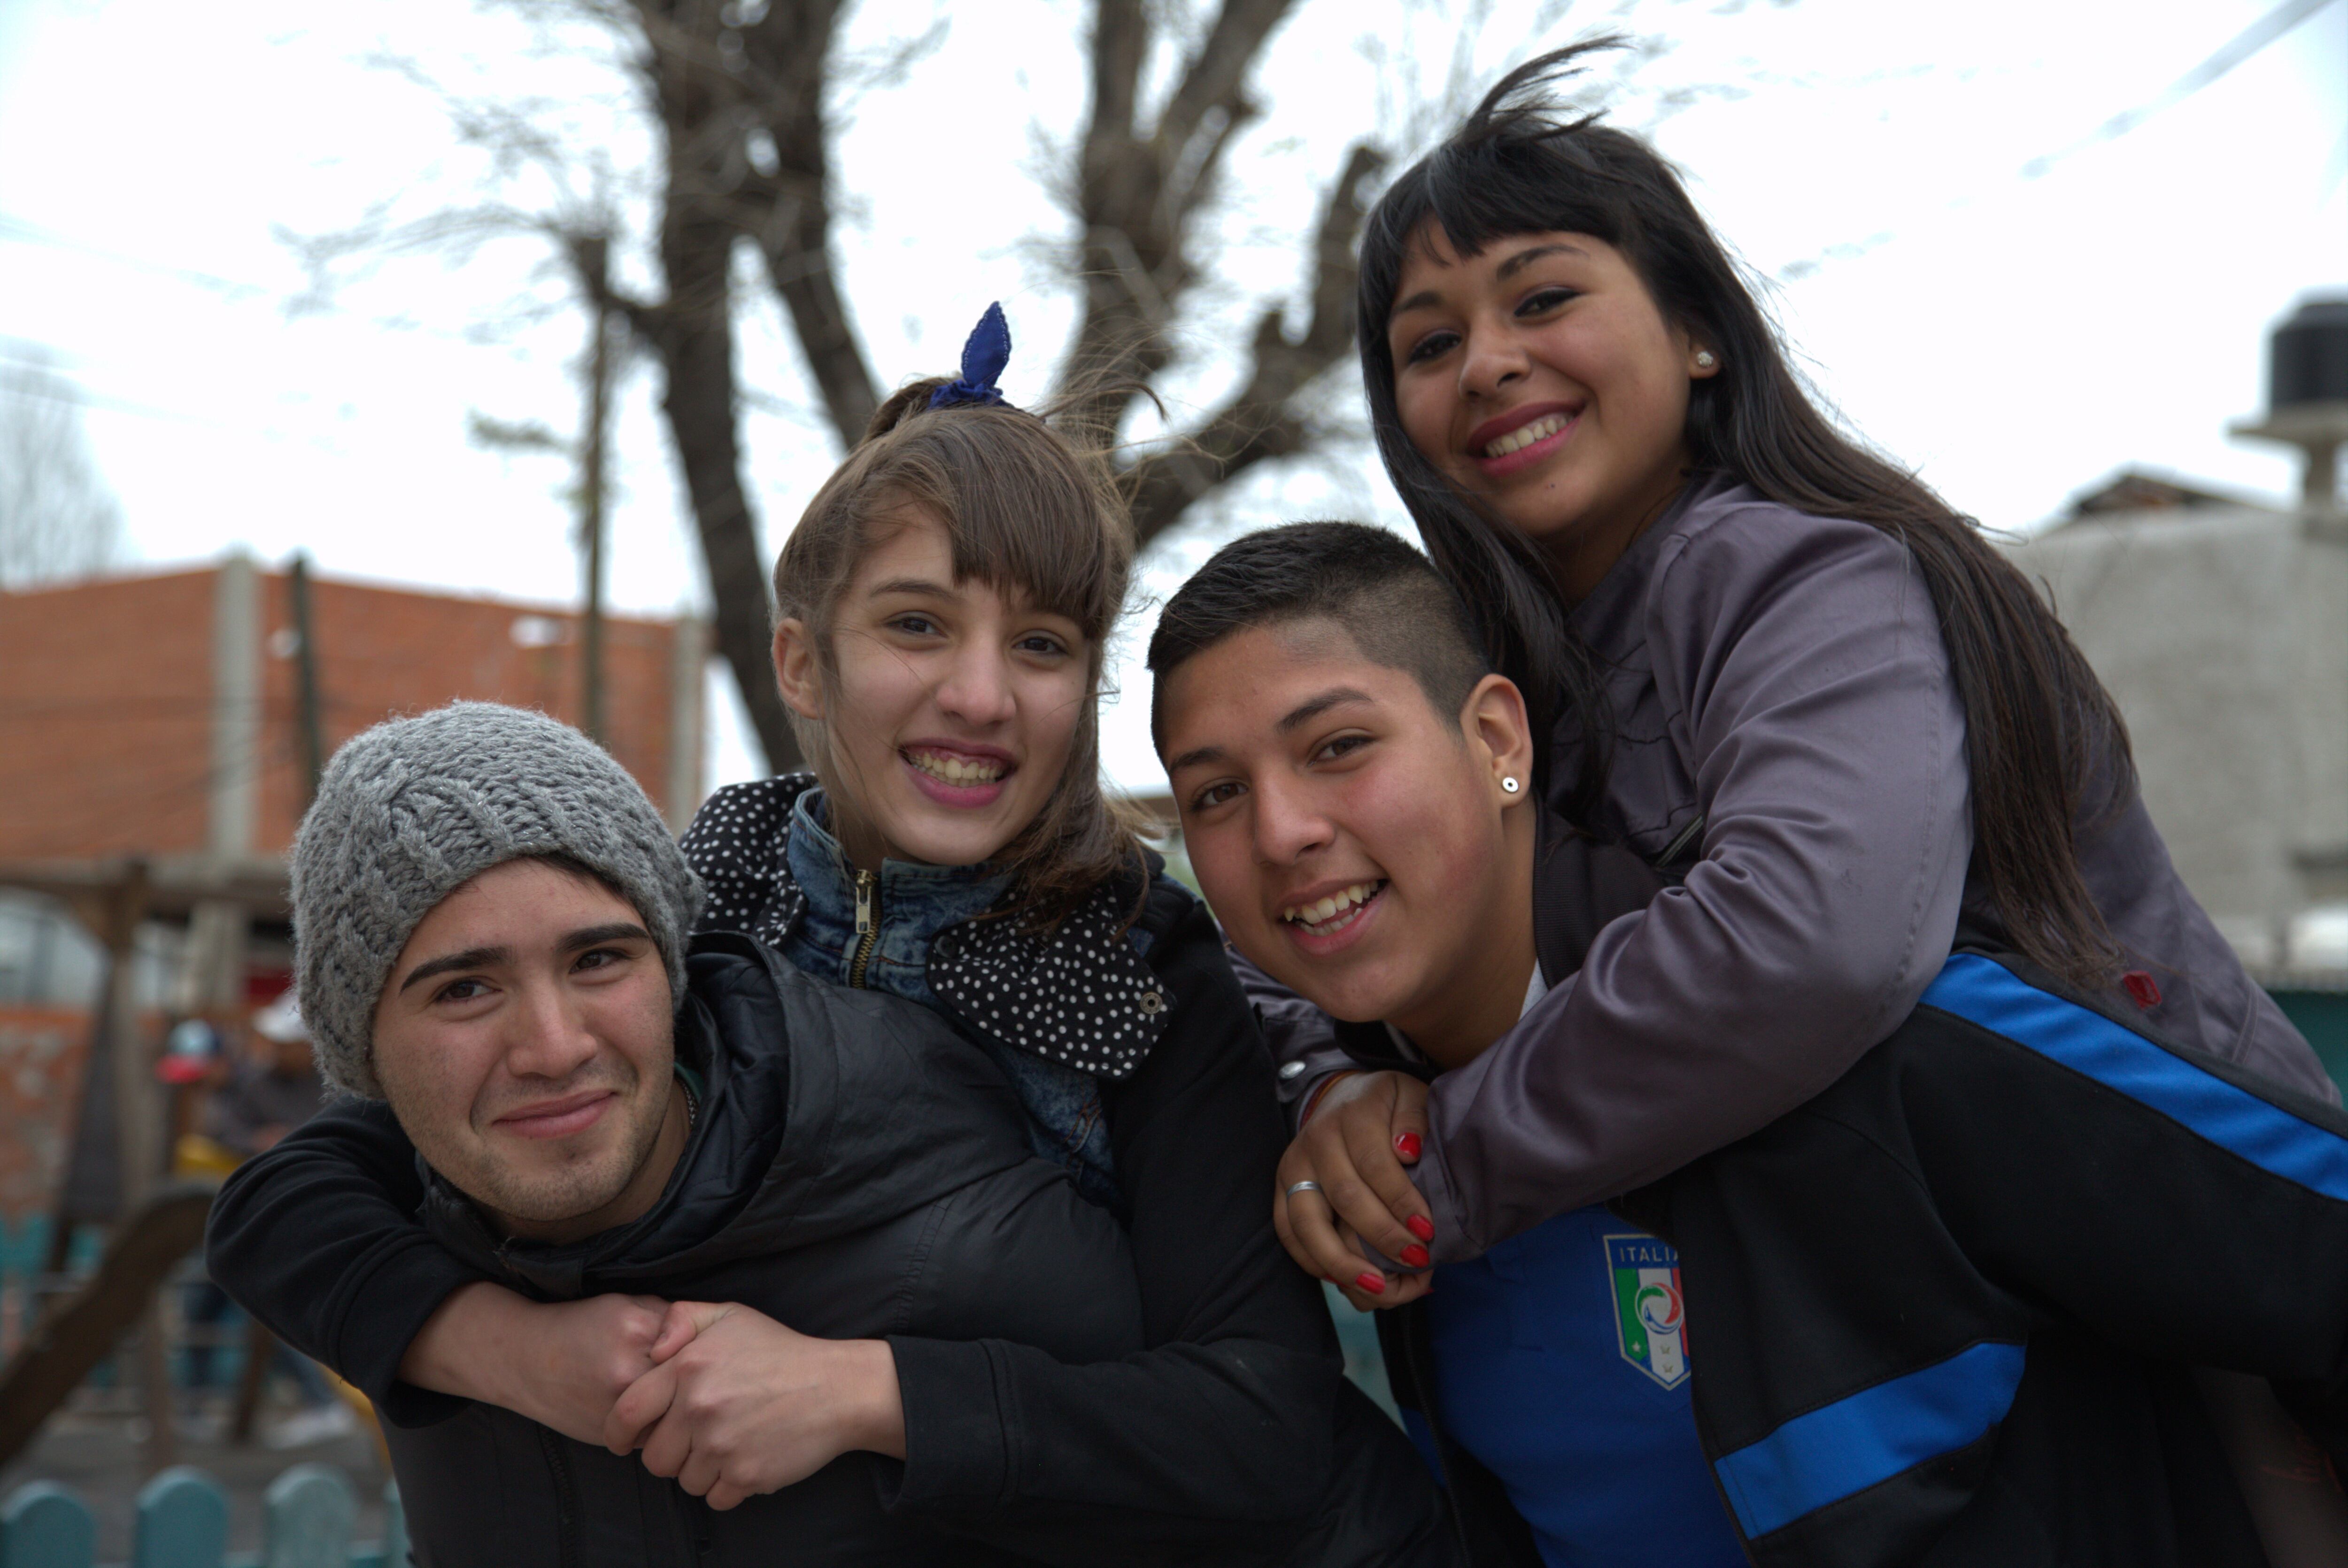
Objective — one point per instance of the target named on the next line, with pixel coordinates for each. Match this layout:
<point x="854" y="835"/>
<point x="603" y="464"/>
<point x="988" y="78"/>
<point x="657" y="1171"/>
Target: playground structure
<point x="66" y="1343"/>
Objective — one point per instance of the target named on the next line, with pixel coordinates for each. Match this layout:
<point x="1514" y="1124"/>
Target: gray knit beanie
<point x="412" y="809"/>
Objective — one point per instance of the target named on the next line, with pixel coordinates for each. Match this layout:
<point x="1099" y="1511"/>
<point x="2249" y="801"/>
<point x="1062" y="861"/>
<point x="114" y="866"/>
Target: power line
<point x="29" y="233"/>
<point x="22" y="231"/>
<point x="41" y="382"/>
<point x="2231" y="53"/>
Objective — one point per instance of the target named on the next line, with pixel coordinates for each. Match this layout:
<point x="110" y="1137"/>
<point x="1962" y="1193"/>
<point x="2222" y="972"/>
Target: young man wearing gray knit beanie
<point x="490" y="920"/>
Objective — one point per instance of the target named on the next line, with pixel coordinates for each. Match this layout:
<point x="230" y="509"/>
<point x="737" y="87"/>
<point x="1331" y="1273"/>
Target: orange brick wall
<point x="106" y="693"/>
<point x="385" y="651"/>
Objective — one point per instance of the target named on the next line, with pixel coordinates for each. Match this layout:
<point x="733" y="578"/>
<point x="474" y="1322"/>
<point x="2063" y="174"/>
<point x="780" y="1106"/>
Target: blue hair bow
<point x="983" y="359"/>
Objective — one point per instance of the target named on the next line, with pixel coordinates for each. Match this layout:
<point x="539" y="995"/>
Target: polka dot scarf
<point x="1079" y="995"/>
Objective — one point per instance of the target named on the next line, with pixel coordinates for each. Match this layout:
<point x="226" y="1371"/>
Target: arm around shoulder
<point x="1811" y="713"/>
<point x="319" y="1238"/>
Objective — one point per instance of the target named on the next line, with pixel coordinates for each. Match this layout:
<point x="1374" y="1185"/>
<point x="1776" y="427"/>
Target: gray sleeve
<point x="1303" y="1043"/>
<point x="1809" y="691"/>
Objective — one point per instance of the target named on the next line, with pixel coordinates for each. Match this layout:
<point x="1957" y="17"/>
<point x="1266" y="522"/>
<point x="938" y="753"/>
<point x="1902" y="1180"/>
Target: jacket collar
<point x="1079" y="995"/>
<point x="1608" y="620"/>
<point x="915" y="901"/>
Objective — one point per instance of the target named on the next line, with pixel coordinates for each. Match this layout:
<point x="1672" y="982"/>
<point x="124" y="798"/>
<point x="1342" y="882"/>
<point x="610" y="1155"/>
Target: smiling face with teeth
<point x="1538" y="376"/>
<point x="953" y="708"/>
<point x="1355" y="842"/>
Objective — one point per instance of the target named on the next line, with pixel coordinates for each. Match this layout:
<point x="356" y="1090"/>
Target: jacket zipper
<point x="1422" y="1391"/>
<point x="566" y="1499"/>
<point x="868" y="929"/>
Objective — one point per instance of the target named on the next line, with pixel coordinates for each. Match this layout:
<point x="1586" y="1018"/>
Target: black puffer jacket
<point x="871" y="1179"/>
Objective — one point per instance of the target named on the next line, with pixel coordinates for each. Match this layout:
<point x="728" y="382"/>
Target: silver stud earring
<point x="1704" y="359"/>
<point x="1509" y="785"/>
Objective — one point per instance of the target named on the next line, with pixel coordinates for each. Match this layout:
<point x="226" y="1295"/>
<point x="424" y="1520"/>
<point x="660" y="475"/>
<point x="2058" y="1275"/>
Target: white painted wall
<point x="2222" y="632"/>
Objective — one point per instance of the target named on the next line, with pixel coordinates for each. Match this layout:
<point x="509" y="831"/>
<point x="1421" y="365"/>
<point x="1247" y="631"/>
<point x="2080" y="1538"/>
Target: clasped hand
<point x="735" y="1404"/>
<point x="725" y="1400"/>
<point x="1363" y="1132"/>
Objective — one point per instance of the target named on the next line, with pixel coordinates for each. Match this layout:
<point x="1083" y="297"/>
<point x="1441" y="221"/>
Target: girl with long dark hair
<point x="1808" y="733"/>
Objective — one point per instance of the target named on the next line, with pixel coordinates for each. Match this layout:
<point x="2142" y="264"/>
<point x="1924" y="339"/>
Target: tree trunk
<point x="693" y="332"/>
<point x="700" y="405"/>
<point x="594" y="254"/>
<point x="693" y="335"/>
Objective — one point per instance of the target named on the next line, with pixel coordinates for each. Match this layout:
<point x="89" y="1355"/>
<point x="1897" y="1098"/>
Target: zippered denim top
<point x="908" y="904"/>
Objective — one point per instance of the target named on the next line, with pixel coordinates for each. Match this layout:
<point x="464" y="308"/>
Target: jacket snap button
<point x="1291" y="1070"/>
<point x="1152" y="1004"/>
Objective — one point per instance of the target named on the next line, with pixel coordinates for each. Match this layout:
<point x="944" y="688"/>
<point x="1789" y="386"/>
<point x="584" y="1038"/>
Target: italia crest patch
<point x="1650" y="1317"/>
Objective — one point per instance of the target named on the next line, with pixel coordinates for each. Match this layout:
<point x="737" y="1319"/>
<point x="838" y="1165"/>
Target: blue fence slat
<point x="43" y="1525"/>
<point x="310" y="1512"/>
<point x="182" y="1521"/>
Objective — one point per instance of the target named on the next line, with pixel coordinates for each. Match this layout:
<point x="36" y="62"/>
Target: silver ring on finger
<point x="1301" y="1187"/>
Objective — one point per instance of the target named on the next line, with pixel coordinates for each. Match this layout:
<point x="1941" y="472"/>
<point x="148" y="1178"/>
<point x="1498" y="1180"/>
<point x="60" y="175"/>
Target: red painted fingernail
<point x="1376" y="1284"/>
<point x="1407" y="1145"/>
<point x="1421" y="1226"/>
<point x="1414" y="1255"/>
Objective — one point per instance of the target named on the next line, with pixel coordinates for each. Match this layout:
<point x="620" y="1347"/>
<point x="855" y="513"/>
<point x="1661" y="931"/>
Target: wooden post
<point x="594" y="263"/>
<point x="306" y="675"/>
<point x="116" y="917"/>
<point x="252" y="1379"/>
<point x="77" y="1334"/>
<point x="138" y="1146"/>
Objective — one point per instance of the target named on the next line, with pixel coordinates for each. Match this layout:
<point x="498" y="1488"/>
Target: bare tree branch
<point x="1138" y="192"/>
<point x="758" y="81"/>
<point x="1219" y="71"/>
<point x="789" y="48"/>
<point x="690" y="331"/>
<point x="59" y="517"/>
<point x="743" y="92"/>
<point x="1260" y="421"/>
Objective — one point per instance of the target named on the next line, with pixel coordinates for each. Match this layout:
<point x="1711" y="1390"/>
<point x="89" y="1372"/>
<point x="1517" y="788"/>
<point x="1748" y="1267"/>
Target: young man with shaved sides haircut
<point x="1959" y="1309"/>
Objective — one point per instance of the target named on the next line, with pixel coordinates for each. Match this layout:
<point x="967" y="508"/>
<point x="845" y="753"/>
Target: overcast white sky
<point x="2015" y="339"/>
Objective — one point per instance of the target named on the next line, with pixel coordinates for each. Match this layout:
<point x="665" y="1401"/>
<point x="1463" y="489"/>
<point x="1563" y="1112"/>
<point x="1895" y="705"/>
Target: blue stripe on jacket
<point x="1845" y="1448"/>
<point x="1986" y="993"/>
<point x="1839" y="1450"/>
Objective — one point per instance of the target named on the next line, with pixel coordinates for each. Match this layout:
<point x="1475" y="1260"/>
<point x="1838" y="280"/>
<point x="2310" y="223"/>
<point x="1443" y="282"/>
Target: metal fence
<point x="183" y="1524"/>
